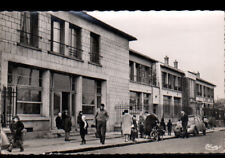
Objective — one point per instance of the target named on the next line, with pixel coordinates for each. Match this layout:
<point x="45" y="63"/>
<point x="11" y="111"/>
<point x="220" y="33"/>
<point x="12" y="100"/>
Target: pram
<point x="157" y="133"/>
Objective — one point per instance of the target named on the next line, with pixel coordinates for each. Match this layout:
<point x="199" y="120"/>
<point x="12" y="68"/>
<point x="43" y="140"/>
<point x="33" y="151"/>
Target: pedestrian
<point x="141" y="125"/>
<point x="66" y="124"/>
<point x="126" y="125"/>
<point x="58" y="121"/>
<point x="169" y="127"/>
<point x="121" y="124"/>
<point x="16" y="128"/>
<point x="134" y="130"/>
<point x="184" y="120"/>
<point x="163" y="124"/>
<point x="101" y="119"/>
<point x="81" y="120"/>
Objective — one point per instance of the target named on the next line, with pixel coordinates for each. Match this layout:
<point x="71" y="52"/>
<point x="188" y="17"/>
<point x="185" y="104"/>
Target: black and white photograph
<point x="112" y="82"/>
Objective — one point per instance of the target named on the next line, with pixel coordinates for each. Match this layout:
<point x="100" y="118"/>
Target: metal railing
<point x="95" y="57"/>
<point x="75" y="52"/>
<point x="29" y="38"/>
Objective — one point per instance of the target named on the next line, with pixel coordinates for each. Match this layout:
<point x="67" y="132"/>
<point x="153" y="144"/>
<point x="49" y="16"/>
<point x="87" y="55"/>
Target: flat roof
<point x="142" y="55"/>
<point x="200" y="79"/>
<point x="108" y="27"/>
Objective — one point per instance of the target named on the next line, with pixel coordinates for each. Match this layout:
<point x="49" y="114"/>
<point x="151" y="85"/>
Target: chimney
<point x="198" y="74"/>
<point x="175" y="64"/>
<point x="166" y="60"/>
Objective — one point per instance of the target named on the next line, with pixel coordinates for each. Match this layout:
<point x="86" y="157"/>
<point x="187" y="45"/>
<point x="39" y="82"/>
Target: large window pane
<point x="89" y="91"/>
<point x="28" y="108"/>
<point x="28" y="95"/>
<point x="61" y="82"/>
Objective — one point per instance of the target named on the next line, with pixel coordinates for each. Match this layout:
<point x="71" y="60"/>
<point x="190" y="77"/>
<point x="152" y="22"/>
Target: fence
<point x="8" y="103"/>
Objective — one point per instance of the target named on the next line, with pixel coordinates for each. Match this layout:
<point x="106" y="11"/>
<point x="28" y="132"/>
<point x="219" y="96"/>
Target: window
<point x="94" y="48"/>
<point x="135" y="101"/>
<point x="138" y="72"/>
<point x="164" y="80"/>
<point x="75" y="42"/>
<point x="131" y="64"/>
<point x="57" y="35"/>
<point x="99" y="93"/>
<point x="91" y="95"/>
<point x="146" y="101"/>
<point x="166" y="105"/>
<point x="179" y="84"/>
<point x="28" y="81"/>
<point x="29" y="29"/>
<point x="177" y="106"/>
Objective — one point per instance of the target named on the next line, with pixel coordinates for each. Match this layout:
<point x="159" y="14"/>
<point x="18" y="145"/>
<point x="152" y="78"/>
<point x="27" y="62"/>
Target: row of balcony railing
<point x="30" y="39"/>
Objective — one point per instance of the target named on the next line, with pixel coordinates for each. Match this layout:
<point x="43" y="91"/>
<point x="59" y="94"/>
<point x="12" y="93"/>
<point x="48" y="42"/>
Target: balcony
<point x="75" y="53"/>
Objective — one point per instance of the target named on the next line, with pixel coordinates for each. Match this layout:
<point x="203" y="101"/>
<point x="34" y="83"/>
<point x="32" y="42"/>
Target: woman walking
<point x="81" y="120"/>
<point x="126" y="124"/>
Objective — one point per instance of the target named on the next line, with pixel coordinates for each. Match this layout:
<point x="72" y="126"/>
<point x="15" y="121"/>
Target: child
<point x="16" y="128"/>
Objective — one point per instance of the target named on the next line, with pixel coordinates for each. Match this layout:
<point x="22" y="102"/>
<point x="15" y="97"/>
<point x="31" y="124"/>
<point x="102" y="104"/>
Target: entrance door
<point x="61" y="102"/>
<point x="65" y="101"/>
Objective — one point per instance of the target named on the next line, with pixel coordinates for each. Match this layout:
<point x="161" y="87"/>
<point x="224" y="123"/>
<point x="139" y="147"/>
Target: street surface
<point x="211" y="143"/>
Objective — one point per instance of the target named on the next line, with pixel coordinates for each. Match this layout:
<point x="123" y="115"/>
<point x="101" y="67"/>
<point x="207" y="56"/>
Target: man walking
<point x="184" y="119"/>
<point x="101" y="119"/>
<point x="66" y="124"/>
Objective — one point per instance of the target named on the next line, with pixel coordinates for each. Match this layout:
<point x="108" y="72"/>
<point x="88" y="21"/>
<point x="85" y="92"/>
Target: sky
<point x="194" y="38"/>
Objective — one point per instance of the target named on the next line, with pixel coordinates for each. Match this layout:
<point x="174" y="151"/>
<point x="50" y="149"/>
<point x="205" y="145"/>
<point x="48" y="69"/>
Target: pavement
<point x="49" y="146"/>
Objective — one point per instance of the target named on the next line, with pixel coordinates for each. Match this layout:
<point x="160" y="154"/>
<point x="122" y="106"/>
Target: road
<point x="211" y="143"/>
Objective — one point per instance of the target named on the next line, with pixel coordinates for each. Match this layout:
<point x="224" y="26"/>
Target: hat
<point x="102" y="105"/>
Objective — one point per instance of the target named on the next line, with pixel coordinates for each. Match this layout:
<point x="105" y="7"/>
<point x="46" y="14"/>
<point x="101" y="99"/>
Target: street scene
<point x="77" y="83"/>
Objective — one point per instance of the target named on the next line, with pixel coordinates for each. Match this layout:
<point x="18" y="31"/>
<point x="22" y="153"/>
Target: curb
<point x="102" y="147"/>
<point x="110" y="146"/>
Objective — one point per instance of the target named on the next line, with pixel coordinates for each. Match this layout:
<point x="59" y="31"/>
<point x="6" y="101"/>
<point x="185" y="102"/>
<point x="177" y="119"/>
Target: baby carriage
<point x="157" y="133"/>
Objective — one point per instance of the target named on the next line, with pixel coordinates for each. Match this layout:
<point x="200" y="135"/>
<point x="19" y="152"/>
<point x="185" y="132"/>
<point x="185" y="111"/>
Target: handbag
<point x="5" y="140"/>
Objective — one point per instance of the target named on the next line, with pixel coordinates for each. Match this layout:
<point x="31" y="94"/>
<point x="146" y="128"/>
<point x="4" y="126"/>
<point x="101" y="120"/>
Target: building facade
<point x="58" y="61"/>
<point x="199" y="94"/>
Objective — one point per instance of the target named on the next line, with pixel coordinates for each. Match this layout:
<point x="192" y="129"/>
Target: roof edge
<point x="96" y="21"/>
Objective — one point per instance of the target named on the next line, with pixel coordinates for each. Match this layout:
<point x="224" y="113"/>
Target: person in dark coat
<point x="134" y="130"/>
<point x="66" y="124"/>
<point x="184" y="119"/>
<point x="141" y="125"/>
<point x="58" y="122"/>
<point x="81" y="120"/>
<point x="149" y="123"/>
<point x="16" y="128"/>
<point x="101" y="118"/>
<point x="169" y="127"/>
<point x="163" y="124"/>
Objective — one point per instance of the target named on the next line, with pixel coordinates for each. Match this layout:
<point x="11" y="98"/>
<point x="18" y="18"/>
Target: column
<point x="104" y="93"/>
<point x="172" y="107"/>
<point x="78" y="100"/>
<point x="46" y="95"/>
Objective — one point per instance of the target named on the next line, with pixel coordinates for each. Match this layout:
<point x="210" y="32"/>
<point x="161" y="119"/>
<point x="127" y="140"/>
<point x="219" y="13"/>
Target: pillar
<point x="46" y="97"/>
<point x="67" y="38"/>
<point x="78" y="100"/>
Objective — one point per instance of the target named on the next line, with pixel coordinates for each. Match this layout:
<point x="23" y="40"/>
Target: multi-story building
<point x="198" y="94"/>
<point x="53" y="61"/>
<point x="143" y="86"/>
<point x="171" y="78"/>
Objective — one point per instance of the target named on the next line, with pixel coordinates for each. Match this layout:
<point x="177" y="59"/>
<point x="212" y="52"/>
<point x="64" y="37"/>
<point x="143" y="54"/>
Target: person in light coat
<point x="126" y="124"/>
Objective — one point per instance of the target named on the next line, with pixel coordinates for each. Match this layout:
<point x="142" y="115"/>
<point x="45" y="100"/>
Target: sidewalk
<point x="58" y="145"/>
